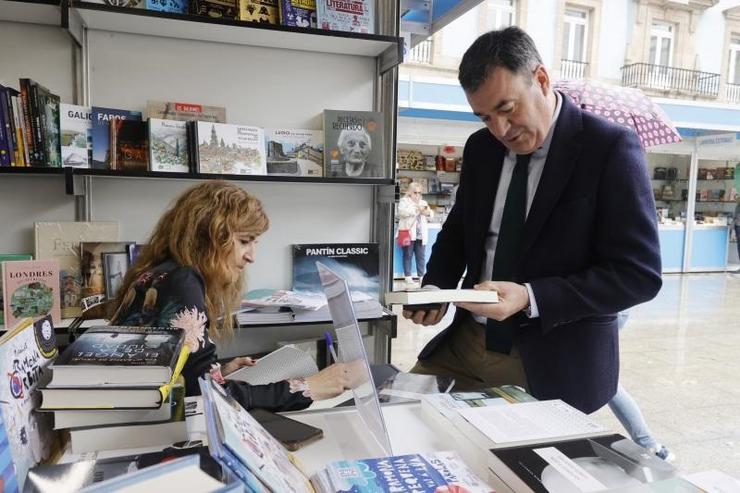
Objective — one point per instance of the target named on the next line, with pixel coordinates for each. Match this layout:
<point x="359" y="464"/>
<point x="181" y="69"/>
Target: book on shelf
<point x="363" y="304"/>
<point x="229" y="149"/>
<point x="279" y="298"/>
<point x="11" y="149"/>
<point x="133" y="250"/>
<point x="76" y="135"/>
<point x="297" y="13"/>
<point x="61" y="241"/>
<point x="272" y="315"/>
<point x="597" y="463"/>
<point x="4" y="257"/>
<point x="425" y="296"/>
<point x="115" y="266"/>
<point x="110" y="356"/>
<point x="48" y="105"/>
<point x="171" y="110"/>
<point x="125" y="435"/>
<point x="30" y="289"/>
<point x="281" y="364"/>
<point x="353" y="144"/>
<point x="357" y="263"/>
<point x="26" y="351"/>
<point x="295" y="152"/>
<point x="129" y="4"/>
<point x="173" y="6"/>
<point x="412" y="473"/>
<point x="101" y="119"/>
<point x="129" y="145"/>
<point x="92" y="268"/>
<point x="260" y="11"/>
<point x="33" y="101"/>
<point x="356" y="16"/>
<point x="168" y="146"/>
<point x="219" y="9"/>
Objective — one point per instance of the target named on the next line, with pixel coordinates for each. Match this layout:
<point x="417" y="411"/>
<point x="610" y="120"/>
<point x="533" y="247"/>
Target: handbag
<point x="404" y="238"/>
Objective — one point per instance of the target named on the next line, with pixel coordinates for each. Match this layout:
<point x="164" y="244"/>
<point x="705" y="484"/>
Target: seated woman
<point x="191" y="273"/>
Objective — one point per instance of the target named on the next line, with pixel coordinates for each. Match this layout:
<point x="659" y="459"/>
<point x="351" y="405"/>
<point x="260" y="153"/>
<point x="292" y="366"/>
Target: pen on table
<point x="330" y="346"/>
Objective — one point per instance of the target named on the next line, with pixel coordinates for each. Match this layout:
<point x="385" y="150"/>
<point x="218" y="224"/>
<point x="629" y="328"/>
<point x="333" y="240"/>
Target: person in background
<point x="413" y="213"/>
<point x="191" y="273"/>
<point x="628" y="413"/>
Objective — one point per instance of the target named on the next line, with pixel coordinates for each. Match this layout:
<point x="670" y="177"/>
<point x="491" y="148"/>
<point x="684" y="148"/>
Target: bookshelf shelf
<point x="191" y="27"/>
<point x="47" y="12"/>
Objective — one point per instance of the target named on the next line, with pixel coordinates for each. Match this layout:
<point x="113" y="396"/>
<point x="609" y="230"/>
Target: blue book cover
<point x="176" y="6"/>
<point x="298" y="13"/>
<point x="101" y="118"/>
<point x="8" y="480"/>
<point x="357" y="263"/>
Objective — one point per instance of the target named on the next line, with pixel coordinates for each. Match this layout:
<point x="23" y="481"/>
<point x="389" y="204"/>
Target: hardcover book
<point x="353" y="144"/>
<point x="101" y="118"/>
<point x="358" y="263"/>
<point x="48" y="105"/>
<point x="295" y="152"/>
<point x="129" y="145"/>
<point x="298" y="13"/>
<point x="76" y="137"/>
<point x="92" y="269"/>
<point x="174" y="6"/>
<point x="61" y="241"/>
<point x="225" y="9"/>
<point x="261" y="11"/>
<point x="25" y="354"/>
<point x="230" y="149"/>
<point x="4" y="257"/>
<point x="168" y="146"/>
<point x="346" y="15"/>
<point x="588" y="464"/>
<point x="31" y="289"/>
<point x="169" y="110"/>
<point x="413" y="473"/>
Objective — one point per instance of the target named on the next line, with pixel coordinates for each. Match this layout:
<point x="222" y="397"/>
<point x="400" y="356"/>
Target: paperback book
<point x="174" y="6"/>
<point x="4" y="257"/>
<point x="171" y="110"/>
<point x="31" y="289"/>
<point x="48" y="106"/>
<point x="358" y="263"/>
<point x="129" y="145"/>
<point x="76" y="136"/>
<point x="220" y="9"/>
<point x="25" y="354"/>
<point x="353" y="144"/>
<point x="260" y="11"/>
<point x="346" y="15"/>
<point x="168" y="146"/>
<point x="101" y="119"/>
<point x="230" y="149"/>
<point x="61" y="241"/>
<point x="298" y="13"/>
<point x="295" y="152"/>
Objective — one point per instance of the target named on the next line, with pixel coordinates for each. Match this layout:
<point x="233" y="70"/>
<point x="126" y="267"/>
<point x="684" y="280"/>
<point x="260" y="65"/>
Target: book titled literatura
<point x="113" y="355"/>
<point x="76" y="127"/>
<point x="295" y="152"/>
<point x="414" y="473"/>
<point x="31" y="289"/>
<point x="357" y="263"/>
<point x="346" y="15"/>
<point x="353" y="144"/>
<point x="230" y="149"/>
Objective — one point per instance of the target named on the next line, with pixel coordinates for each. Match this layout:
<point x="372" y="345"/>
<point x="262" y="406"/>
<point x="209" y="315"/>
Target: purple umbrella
<point x="625" y="106"/>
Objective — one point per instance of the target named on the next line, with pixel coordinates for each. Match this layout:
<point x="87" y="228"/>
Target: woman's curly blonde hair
<point x="197" y="231"/>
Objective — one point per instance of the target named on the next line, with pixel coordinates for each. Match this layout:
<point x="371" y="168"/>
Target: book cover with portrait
<point x="31" y="289"/>
<point x="357" y="263"/>
<point x="353" y="144"/>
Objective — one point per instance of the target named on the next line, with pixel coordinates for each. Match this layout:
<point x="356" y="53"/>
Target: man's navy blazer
<point x="589" y="250"/>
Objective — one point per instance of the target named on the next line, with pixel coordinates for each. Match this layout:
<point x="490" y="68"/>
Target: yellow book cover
<point x="262" y="11"/>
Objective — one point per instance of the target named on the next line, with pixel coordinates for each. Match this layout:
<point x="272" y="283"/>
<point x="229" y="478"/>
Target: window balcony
<point x="573" y="69"/>
<point x="421" y="53"/>
<point x="665" y="79"/>
<point x="733" y="93"/>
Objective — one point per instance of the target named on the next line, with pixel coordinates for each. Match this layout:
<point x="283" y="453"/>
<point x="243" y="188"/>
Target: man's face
<point x="515" y="107"/>
<point x="355" y="148"/>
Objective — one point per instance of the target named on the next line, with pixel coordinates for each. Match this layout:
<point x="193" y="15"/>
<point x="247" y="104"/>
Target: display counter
<point x="709" y="248"/>
<point x="671" y="246"/>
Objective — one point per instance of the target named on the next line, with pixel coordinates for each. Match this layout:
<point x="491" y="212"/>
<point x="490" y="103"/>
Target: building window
<point x="661" y="43"/>
<point x="575" y="31"/>
<point x="459" y="34"/>
<point x="501" y="14"/>
<point x="734" y="75"/>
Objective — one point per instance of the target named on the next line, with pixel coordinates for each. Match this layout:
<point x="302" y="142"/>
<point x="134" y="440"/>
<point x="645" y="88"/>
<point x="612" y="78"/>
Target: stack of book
<point x="116" y="388"/>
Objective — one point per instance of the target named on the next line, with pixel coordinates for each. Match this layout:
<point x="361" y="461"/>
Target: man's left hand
<point x="513" y="298"/>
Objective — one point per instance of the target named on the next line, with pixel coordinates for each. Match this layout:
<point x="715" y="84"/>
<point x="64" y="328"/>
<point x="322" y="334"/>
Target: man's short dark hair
<point x="511" y="48"/>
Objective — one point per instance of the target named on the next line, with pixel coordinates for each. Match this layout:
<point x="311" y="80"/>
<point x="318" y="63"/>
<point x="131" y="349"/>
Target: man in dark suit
<point x="555" y="212"/>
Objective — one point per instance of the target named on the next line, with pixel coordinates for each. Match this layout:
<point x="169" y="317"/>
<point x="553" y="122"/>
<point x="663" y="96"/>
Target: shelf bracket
<point x="72" y="22"/>
<point x="80" y="187"/>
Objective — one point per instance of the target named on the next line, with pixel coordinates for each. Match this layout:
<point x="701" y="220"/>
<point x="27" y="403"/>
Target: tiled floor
<point x="681" y="363"/>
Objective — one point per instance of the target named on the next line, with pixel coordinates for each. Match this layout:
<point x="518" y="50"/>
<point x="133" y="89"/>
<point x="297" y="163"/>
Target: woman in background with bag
<point x="413" y="213"/>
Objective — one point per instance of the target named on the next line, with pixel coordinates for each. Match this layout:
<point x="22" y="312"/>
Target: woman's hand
<point x="329" y="382"/>
<point x="235" y="364"/>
